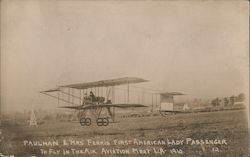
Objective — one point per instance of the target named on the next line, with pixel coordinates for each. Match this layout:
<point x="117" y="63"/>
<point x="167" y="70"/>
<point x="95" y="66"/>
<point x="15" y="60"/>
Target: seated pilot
<point x="92" y="96"/>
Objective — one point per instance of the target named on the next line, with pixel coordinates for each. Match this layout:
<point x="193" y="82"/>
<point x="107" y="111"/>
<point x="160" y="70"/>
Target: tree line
<point x="228" y="100"/>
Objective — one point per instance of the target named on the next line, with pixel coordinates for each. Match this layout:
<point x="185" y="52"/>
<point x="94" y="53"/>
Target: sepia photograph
<point x="124" y="78"/>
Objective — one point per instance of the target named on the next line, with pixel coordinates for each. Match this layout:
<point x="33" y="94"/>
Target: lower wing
<point x="73" y="107"/>
<point x="125" y="105"/>
<point x="171" y="111"/>
<point x="82" y="107"/>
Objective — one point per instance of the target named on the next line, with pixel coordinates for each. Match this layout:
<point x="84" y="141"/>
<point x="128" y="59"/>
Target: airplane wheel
<point x="82" y="121"/>
<point x="99" y="121"/>
<point x="88" y="121"/>
<point x="105" y="121"/>
<point x="102" y="121"/>
<point x="85" y="121"/>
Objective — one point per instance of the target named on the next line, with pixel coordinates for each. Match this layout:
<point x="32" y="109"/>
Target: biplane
<point x="94" y="102"/>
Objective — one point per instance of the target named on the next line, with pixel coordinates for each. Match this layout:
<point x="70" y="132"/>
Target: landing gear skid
<point x="104" y="121"/>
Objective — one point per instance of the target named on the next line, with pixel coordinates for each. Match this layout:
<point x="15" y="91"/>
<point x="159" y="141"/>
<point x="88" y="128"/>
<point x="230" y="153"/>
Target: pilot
<point x="92" y="96"/>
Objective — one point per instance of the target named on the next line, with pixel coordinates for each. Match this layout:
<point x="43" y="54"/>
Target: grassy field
<point x="230" y="126"/>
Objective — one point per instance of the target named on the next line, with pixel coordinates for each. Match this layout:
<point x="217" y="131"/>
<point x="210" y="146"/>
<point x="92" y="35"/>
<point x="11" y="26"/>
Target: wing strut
<point x="113" y="100"/>
<point x="59" y="98"/>
<point x="128" y="94"/>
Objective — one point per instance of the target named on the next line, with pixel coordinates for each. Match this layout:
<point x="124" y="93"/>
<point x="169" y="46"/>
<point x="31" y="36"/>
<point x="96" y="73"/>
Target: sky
<point x="199" y="48"/>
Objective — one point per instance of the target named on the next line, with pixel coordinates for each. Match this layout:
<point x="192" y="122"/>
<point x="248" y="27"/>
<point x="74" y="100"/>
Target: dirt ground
<point x="226" y="133"/>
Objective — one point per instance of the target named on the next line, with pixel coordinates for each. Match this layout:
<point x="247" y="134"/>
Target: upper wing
<point x="105" y="83"/>
<point x="82" y="107"/>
